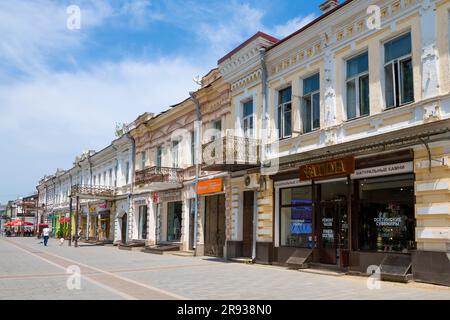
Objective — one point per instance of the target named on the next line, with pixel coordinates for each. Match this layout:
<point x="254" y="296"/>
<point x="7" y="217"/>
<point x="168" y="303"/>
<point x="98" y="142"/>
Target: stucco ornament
<point x="431" y="112"/>
<point x="330" y="136"/>
<point x="330" y="94"/>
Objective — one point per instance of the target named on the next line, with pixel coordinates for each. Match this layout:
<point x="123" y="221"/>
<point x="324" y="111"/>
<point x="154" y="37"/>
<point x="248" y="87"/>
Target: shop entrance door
<point x="124" y="228"/>
<point x="214" y="225"/>
<point x="332" y="232"/>
<point x="247" y="224"/>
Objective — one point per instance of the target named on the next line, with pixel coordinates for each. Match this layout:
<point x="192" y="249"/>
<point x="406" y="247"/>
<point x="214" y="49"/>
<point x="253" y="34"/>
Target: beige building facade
<point x="351" y="118"/>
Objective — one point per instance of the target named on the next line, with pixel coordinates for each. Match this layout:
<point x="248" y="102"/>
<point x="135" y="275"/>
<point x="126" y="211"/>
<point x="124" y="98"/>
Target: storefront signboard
<point x="169" y="196"/>
<point x="287" y="183"/>
<point x="397" y="168"/>
<point x="209" y="186"/>
<point x="335" y="167"/>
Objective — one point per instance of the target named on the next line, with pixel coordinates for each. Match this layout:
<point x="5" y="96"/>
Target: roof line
<point x="323" y="16"/>
<point x="256" y="35"/>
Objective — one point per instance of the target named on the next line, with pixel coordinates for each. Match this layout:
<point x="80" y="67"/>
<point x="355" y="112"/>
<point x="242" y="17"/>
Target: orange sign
<point x="209" y="186"/>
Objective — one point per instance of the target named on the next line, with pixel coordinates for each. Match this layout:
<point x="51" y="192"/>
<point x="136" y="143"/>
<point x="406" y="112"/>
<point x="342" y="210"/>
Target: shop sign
<point x="170" y="196"/>
<point x="300" y="227"/>
<point x="336" y="167"/>
<point x="209" y="186"/>
<point x="103" y="205"/>
<point x="287" y="183"/>
<point x="155" y="197"/>
<point x="140" y="202"/>
<point x="391" y="169"/>
<point x="92" y="209"/>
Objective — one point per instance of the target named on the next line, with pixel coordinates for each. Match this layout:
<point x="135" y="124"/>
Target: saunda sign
<point x="335" y="167"/>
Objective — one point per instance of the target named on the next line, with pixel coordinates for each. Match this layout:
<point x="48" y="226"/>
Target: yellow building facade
<point x="350" y="120"/>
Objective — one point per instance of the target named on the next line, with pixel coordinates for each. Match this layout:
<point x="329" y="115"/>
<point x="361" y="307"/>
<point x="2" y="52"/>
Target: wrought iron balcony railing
<point x="159" y="174"/>
<point x="231" y="151"/>
<point x="94" y="191"/>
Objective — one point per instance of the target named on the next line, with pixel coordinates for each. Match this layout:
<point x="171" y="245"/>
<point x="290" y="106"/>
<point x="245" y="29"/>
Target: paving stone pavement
<point x="28" y="270"/>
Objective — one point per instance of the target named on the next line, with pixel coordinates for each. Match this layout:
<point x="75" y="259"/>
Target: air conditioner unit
<point x="252" y="181"/>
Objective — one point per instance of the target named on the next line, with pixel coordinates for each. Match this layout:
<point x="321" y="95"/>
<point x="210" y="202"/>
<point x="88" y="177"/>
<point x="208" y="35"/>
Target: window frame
<point x="159" y="153"/>
<point x="280" y="214"/>
<point x="250" y="118"/>
<point x="281" y="120"/>
<point x="216" y="135"/>
<point x="395" y="64"/>
<point x="310" y="95"/>
<point x="175" y="152"/>
<point x="143" y="159"/>
<point x="356" y="78"/>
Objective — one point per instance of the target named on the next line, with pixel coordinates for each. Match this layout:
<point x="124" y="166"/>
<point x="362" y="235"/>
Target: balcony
<point x="93" y="192"/>
<point x="231" y="153"/>
<point x="160" y="178"/>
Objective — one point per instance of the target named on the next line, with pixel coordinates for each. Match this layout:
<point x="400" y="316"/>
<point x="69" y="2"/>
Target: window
<point x="175" y="147"/>
<point x="127" y="172"/>
<point x="95" y="180"/>
<point x="311" y="103"/>
<point x="110" y="177"/>
<point x="99" y="179"/>
<point x="296" y="217"/>
<point x="159" y="156"/>
<point x="116" y="169"/>
<point x="358" y="86"/>
<point x="143" y="159"/>
<point x="174" y="211"/>
<point x="285" y="113"/>
<point x="248" y="118"/>
<point x="193" y="147"/>
<point x="104" y="178"/>
<point x="217" y="125"/>
<point x="142" y="223"/>
<point x="386" y="214"/>
<point x="398" y="72"/>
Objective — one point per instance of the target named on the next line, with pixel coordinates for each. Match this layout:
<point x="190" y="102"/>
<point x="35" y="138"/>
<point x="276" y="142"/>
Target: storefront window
<point x="296" y="217"/>
<point x="174" y="221"/>
<point x="142" y="224"/>
<point x="386" y="214"/>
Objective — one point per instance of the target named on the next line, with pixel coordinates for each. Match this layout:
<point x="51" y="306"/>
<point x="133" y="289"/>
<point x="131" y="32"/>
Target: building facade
<point x="93" y="194"/>
<point x="353" y="122"/>
<point x="328" y="148"/>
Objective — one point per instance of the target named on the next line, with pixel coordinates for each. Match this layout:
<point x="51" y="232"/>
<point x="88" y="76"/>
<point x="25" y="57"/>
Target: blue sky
<point x="62" y="91"/>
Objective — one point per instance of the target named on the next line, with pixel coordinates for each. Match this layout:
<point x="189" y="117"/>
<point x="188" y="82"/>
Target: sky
<point x="62" y="90"/>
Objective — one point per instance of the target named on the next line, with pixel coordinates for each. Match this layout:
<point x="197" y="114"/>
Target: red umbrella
<point x="20" y="223"/>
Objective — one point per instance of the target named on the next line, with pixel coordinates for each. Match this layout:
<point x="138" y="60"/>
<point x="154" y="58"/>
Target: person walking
<point x="46" y="234"/>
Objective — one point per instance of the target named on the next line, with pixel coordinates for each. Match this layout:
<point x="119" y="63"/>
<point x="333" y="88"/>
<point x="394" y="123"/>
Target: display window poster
<point x="295" y="202"/>
<point x="300" y="227"/>
<point x="301" y="213"/>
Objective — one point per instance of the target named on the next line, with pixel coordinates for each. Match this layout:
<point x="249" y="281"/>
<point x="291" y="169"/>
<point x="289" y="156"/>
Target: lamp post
<point x="70" y="221"/>
<point x="76" y="221"/>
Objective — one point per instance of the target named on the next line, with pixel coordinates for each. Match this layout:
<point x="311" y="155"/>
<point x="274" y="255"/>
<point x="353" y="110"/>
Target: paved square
<point x="28" y="270"/>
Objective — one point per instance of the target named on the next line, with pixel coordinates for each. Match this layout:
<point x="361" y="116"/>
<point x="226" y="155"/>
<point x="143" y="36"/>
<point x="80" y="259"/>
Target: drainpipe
<point x="133" y="158"/>
<point x="263" y="135"/>
<point x="197" y="165"/>
<point x="77" y="211"/>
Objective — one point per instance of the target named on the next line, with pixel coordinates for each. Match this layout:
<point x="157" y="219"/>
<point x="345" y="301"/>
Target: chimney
<point x="328" y="5"/>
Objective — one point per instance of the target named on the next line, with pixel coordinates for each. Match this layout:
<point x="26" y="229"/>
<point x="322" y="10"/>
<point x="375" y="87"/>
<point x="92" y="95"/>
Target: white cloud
<point x="87" y="104"/>
<point x="35" y="32"/>
<point x="283" y="30"/>
<point x="243" y="22"/>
